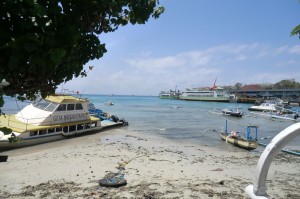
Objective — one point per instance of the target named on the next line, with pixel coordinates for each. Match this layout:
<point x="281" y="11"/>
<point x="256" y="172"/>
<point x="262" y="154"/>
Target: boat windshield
<point x="45" y="105"/>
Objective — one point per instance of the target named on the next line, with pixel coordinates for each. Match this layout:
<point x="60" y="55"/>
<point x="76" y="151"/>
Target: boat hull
<point x="30" y="141"/>
<point x="4" y="144"/>
<point x="233" y="114"/>
<point x="260" y="109"/>
<point x="207" y="99"/>
<point x="239" y="141"/>
<point x="168" y="97"/>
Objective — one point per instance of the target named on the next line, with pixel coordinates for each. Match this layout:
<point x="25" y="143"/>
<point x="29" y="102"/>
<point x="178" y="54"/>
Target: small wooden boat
<point x="248" y="142"/>
<point x="109" y="103"/>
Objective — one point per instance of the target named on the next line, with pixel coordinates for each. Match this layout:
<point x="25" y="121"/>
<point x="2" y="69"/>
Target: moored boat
<point x="213" y="94"/>
<point x="291" y="116"/>
<point x="263" y="107"/>
<point x="169" y="94"/>
<point x="235" y="138"/>
<point x="235" y="112"/>
<point x="205" y="95"/>
<point x="105" y="117"/>
<point x="288" y="116"/>
<point x="109" y="103"/>
<point x="271" y="107"/>
<point x="46" y="120"/>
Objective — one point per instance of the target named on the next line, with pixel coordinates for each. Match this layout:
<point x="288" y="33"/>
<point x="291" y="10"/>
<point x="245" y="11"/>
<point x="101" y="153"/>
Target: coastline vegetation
<point x="44" y="43"/>
<point x="283" y="84"/>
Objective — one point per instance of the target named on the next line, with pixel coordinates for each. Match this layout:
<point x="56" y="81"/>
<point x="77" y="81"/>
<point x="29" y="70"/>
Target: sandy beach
<point x="154" y="168"/>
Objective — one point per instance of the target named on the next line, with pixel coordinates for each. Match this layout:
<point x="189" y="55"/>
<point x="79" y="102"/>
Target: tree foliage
<point x="238" y="85"/>
<point x="296" y="31"/>
<point x="44" y="43"/>
<point x="287" y="84"/>
<point x="283" y="84"/>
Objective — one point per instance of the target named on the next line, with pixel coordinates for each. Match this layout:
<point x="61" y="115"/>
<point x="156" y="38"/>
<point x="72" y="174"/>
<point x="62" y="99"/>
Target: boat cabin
<point x="54" y="110"/>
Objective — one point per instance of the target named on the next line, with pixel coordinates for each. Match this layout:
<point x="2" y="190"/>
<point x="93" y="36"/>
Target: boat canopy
<point x="64" y="99"/>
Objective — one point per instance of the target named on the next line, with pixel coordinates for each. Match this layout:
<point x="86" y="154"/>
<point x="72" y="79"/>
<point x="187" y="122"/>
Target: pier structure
<point x="290" y="96"/>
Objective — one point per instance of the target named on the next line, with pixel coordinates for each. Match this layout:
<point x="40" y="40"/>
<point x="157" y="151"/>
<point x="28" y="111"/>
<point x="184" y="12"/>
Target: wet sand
<point x="154" y="168"/>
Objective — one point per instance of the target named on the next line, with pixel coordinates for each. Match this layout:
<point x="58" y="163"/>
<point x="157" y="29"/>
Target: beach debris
<point x="121" y="166"/>
<point x="263" y="138"/>
<point x="116" y="179"/>
<point x="3" y="158"/>
<point x="221" y="182"/>
<point x="217" y="169"/>
<point x="149" y="195"/>
<point x="113" y="180"/>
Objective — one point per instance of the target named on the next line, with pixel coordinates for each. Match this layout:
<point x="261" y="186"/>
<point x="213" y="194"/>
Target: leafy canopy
<point x="44" y="43"/>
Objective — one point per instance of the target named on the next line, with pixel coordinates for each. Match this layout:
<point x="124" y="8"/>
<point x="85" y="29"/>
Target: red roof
<point x="250" y="87"/>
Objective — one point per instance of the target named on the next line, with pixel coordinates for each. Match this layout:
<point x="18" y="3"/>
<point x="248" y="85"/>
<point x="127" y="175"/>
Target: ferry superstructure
<point x="169" y="94"/>
<point x="215" y="95"/>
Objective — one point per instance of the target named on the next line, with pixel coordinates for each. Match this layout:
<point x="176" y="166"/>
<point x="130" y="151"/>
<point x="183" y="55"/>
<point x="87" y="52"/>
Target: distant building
<point x="258" y="92"/>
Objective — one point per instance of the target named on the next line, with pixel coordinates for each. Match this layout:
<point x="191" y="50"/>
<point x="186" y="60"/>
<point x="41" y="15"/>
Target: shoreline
<point x="155" y="167"/>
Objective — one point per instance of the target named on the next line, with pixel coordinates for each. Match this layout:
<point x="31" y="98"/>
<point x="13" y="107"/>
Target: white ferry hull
<point x="5" y="144"/>
<point x="30" y="141"/>
<point x="208" y="99"/>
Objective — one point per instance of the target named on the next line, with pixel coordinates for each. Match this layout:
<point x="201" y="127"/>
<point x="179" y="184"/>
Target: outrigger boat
<point x="291" y="116"/>
<point x="53" y="118"/>
<point x="235" y="112"/>
<point x="248" y="142"/>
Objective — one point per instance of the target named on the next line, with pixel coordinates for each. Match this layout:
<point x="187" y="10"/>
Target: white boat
<point x="213" y="94"/>
<point x="277" y="115"/>
<point x="109" y="103"/>
<point x="216" y="95"/>
<point x="272" y="107"/>
<point x="264" y="107"/>
<point x="288" y="116"/>
<point x="46" y="120"/>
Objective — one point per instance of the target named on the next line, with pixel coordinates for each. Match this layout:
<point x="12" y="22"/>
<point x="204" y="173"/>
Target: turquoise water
<point x="185" y="121"/>
<point x="182" y="121"/>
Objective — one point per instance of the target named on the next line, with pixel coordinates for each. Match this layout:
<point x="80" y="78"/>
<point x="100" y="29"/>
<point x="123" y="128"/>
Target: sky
<point x="195" y="42"/>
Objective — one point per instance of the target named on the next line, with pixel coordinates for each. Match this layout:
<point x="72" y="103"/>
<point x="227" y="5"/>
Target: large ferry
<point x="215" y="95"/>
<point x="49" y="119"/>
<point x="212" y="94"/>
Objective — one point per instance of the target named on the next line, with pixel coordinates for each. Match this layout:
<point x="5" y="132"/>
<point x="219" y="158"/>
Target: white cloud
<point x="295" y="49"/>
<point x="281" y="49"/>
<point x="285" y="63"/>
<point x="147" y="73"/>
<point x="273" y="77"/>
<point x="156" y="63"/>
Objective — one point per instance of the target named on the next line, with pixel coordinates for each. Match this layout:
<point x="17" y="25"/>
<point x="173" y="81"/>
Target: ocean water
<point x="181" y="121"/>
<point x="188" y="121"/>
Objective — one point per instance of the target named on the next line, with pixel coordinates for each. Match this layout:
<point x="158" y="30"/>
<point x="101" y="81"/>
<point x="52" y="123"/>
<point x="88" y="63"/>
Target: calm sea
<point x="182" y="121"/>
